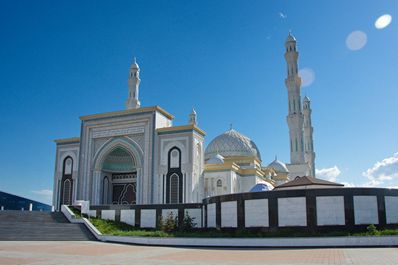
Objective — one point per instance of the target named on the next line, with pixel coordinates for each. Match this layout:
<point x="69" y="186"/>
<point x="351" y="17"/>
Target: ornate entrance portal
<point x="119" y="178"/>
<point x="124" y="188"/>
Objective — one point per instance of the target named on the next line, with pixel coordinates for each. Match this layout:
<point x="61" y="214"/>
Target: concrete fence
<point x="308" y="209"/>
<point x="148" y="216"/>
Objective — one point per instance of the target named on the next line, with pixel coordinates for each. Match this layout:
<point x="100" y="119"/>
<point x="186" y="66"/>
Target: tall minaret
<point x="309" y="154"/>
<point x="132" y="101"/>
<point x="295" y="119"/>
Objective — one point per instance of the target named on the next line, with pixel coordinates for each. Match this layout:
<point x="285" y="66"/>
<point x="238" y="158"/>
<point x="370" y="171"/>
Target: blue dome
<point x="265" y="186"/>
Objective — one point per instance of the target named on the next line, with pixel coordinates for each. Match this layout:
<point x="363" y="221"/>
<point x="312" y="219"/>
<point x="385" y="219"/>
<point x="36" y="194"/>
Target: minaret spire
<point x="134" y="80"/>
<point x="308" y="139"/>
<point x="295" y="118"/>
<point x="193" y="117"/>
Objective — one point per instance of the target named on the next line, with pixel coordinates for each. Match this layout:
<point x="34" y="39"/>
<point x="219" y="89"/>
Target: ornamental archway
<point x="119" y="178"/>
<point x="117" y="175"/>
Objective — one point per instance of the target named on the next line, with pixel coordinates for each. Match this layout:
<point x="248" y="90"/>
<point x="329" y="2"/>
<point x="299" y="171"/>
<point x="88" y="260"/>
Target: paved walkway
<point x="95" y="253"/>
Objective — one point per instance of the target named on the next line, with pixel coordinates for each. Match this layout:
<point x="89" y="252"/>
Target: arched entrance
<point x="119" y="177"/>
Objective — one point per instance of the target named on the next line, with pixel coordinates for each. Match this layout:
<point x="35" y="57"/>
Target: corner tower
<point x="134" y="80"/>
<point x="295" y="118"/>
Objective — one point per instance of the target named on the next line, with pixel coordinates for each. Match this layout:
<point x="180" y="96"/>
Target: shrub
<point x="169" y="224"/>
<point x="372" y="230"/>
<point x="188" y="222"/>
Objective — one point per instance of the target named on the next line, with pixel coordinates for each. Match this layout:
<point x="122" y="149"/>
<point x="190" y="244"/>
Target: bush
<point x="188" y="222"/>
<point x="372" y="230"/>
<point x="169" y="224"/>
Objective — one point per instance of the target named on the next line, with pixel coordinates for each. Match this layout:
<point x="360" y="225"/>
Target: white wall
<point x="247" y="182"/>
<point x="108" y="215"/>
<point x="256" y="213"/>
<point x="211" y="215"/>
<point x="292" y="211"/>
<point x="211" y="182"/>
<point x="330" y="210"/>
<point x="391" y="209"/>
<point x="365" y="210"/>
<point x="127" y="216"/>
<point x="92" y="213"/>
<point x="229" y="214"/>
<point x="148" y="218"/>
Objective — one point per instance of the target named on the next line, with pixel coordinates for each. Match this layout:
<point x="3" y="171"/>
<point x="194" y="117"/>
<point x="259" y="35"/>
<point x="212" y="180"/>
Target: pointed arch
<point x="132" y="149"/>
<point x="123" y="142"/>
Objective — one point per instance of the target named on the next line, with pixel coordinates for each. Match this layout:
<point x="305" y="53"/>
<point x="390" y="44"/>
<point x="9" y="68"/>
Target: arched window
<point x="67" y="192"/>
<point x="66" y="182"/>
<point x="68" y="166"/>
<point x="174" y="157"/>
<point x="174" y="188"/>
<point x="174" y="183"/>
<point x="219" y="183"/>
<point x="219" y="187"/>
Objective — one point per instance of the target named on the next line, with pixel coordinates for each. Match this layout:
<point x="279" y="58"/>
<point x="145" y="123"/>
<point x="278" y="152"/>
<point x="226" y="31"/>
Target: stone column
<point x="138" y="187"/>
<point x="96" y="188"/>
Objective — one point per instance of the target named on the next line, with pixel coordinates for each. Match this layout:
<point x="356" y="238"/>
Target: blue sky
<point x="63" y="59"/>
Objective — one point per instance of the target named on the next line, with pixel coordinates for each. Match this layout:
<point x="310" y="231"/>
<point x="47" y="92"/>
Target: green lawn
<point x="121" y="229"/>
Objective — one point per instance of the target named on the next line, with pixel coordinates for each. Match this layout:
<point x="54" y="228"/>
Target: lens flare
<point x="383" y="21"/>
<point x="356" y="40"/>
<point x="307" y="76"/>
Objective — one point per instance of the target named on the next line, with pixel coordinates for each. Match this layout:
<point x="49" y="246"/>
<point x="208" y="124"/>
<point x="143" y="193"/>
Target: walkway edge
<point x="296" y="242"/>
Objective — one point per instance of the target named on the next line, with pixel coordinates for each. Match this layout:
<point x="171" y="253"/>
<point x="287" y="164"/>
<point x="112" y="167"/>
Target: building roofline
<point x="127" y="112"/>
<point x="182" y="129"/>
<point x="68" y="140"/>
<point x="308" y="181"/>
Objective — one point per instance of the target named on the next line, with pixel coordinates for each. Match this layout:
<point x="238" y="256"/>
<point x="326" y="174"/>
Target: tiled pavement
<point x="95" y="253"/>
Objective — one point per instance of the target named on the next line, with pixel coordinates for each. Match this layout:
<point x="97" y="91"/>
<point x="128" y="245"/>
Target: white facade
<point x="133" y="156"/>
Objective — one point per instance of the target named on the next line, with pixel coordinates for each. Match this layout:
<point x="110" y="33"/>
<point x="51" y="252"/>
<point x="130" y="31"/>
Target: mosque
<point x="137" y="155"/>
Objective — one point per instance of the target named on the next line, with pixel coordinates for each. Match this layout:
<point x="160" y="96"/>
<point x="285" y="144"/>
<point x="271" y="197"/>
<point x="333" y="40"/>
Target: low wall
<point x="148" y="216"/>
<point x="307" y="209"/>
<point x="331" y="209"/>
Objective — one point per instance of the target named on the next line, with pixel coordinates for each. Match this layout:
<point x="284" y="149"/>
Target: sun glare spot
<point x="307" y="76"/>
<point x="383" y="21"/>
<point x="356" y="40"/>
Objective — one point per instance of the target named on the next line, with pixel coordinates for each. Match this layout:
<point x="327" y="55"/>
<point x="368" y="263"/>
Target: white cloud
<point x="356" y="40"/>
<point x="282" y="15"/>
<point x="384" y="172"/>
<point x="329" y="174"/>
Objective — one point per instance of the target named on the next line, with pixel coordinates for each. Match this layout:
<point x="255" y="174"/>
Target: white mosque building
<point x="137" y="156"/>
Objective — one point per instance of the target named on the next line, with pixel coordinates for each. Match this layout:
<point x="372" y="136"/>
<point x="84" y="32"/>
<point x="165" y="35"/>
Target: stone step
<point x="26" y="216"/>
<point x="28" y="226"/>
